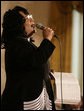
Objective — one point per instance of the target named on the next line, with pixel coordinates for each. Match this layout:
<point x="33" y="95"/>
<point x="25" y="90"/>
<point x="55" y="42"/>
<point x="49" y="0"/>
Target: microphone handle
<point x="42" y="28"/>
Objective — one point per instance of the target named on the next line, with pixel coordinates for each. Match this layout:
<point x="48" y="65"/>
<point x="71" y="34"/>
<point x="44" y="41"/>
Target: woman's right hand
<point x="48" y="33"/>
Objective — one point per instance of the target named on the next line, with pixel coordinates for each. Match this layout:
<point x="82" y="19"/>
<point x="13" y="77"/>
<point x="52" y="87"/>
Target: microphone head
<point x="39" y="26"/>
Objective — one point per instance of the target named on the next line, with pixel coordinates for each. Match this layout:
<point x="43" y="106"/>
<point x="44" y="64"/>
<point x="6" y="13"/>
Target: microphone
<point x="41" y="27"/>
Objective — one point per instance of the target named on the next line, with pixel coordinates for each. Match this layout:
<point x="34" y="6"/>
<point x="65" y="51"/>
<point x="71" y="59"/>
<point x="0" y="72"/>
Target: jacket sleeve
<point x="36" y="57"/>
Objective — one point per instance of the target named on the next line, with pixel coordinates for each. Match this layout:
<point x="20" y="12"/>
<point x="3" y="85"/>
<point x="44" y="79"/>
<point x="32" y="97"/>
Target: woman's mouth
<point x="33" y="25"/>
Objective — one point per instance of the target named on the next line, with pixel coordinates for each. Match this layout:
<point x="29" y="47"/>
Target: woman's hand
<point x="48" y="33"/>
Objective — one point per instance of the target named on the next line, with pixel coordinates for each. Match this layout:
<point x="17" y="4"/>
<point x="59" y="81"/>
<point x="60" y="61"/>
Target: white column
<point x="77" y="44"/>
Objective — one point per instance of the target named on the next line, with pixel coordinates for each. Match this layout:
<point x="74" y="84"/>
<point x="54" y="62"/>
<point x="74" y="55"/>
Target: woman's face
<point x="29" y="23"/>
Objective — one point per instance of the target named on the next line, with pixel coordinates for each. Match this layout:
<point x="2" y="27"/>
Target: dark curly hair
<point x="13" y="24"/>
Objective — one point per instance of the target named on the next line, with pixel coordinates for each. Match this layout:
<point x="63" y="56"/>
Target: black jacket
<point x="26" y="67"/>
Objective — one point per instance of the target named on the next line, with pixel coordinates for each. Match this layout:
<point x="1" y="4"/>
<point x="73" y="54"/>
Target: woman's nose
<point x="31" y="20"/>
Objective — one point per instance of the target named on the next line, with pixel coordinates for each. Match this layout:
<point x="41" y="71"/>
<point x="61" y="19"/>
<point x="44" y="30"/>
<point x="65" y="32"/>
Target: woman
<point x="28" y="84"/>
